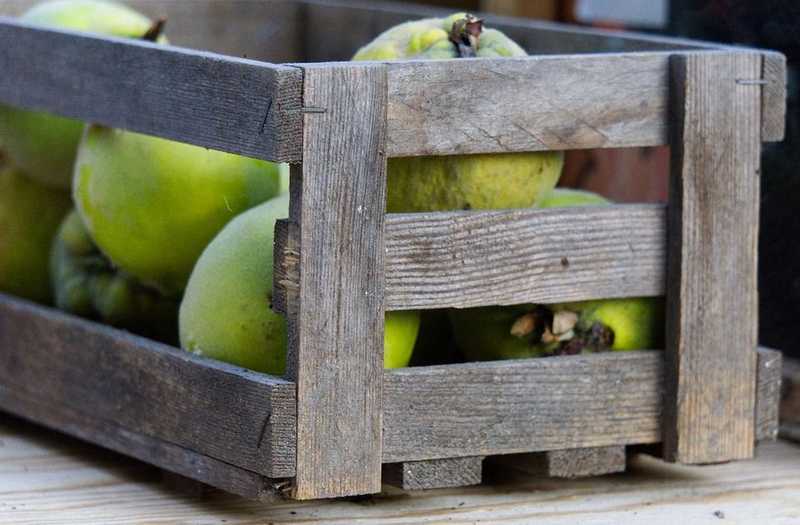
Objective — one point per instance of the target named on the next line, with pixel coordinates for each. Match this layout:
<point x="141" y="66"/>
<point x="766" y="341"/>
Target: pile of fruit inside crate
<point x="174" y="241"/>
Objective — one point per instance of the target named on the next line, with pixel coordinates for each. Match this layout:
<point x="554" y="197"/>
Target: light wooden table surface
<point x="47" y="478"/>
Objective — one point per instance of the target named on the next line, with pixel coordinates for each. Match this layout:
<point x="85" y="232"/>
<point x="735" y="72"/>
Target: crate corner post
<point x="712" y="295"/>
<point x="336" y="314"/>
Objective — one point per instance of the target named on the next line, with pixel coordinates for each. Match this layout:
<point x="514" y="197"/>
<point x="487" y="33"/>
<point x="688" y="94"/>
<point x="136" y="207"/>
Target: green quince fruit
<point x="502" y="332"/>
<point x="226" y="314"/>
<point x="486" y="181"/>
<point x="41" y="144"/>
<point x="86" y="284"/>
<point x="152" y="205"/>
<point x="29" y="217"/>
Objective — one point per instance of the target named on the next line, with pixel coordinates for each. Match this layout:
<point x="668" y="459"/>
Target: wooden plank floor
<point x="46" y="478"/>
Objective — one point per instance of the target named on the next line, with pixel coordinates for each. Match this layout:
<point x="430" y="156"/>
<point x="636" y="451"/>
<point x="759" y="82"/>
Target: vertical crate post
<point x="336" y="320"/>
<point x="712" y="240"/>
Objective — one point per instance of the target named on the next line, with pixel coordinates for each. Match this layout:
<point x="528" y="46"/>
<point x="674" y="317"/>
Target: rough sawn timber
<point x="712" y="296"/>
<point x="239" y="417"/>
<point x="475" y="258"/>
<point x="219" y="102"/>
<point x="336" y="326"/>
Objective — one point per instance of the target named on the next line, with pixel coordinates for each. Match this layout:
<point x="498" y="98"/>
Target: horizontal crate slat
<point x="171" y="457"/>
<point x="230" y="414"/>
<point x="527" y="104"/>
<point x="224" y="103"/>
<point x="532" y="405"/>
<point x="475" y="258"/>
<point x="92" y="380"/>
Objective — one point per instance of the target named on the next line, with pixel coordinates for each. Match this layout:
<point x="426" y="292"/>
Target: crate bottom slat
<point x="163" y="454"/>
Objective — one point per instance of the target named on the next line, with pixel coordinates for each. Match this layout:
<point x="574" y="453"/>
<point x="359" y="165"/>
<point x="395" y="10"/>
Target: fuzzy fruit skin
<point x="44" y="145"/>
<point x="152" y="205"/>
<point x="30" y="214"/>
<point x="86" y="284"/>
<point x="464" y="182"/>
<point x="484" y="333"/>
<point x="486" y="181"/>
<point x="569" y="198"/>
<point x="637" y="323"/>
<point x="428" y="39"/>
<point x="226" y="314"/>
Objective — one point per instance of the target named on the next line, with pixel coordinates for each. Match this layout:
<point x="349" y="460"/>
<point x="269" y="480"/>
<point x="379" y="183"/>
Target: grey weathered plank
<point x="225" y="103"/>
<point x="773" y="97"/>
<point x="434" y="473"/>
<point x="473" y="258"/>
<point x="236" y="416"/>
<point x="536" y="405"/>
<point x="712" y="307"/>
<point x="569" y="463"/>
<point x="83" y="424"/>
<point x="768" y="395"/>
<point x="336" y="339"/>
<point x="527" y="104"/>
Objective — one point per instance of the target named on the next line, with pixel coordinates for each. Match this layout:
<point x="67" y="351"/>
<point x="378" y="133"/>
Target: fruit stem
<point x="155" y="30"/>
<point x="465" y="34"/>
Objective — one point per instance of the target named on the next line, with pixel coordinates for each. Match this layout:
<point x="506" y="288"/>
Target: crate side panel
<point x="712" y="307"/>
<point x="239" y="417"/>
<point x="537" y="405"/>
<point x="224" y="103"/>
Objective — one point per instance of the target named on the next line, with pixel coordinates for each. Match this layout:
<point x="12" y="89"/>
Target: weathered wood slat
<point x="570" y="463"/>
<point x="434" y="473"/>
<point x="465" y="259"/>
<point x="224" y="103"/>
<point x="536" y="405"/>
<point x="336" y="329"/>
<point x="527" y="104"/>
<point x="773" y="97"/>
<point x="179" y="460"/>
<point x="712" y="307"/>
<point x="236" y="416"/>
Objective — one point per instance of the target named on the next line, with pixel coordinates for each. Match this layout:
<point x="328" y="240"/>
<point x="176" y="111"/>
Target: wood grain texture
<point x="773" y="97"/>
<point x="527" y="104"/>
<point x="336" y="331"/>
<point x="768" y="396"/>
<point x="434" y="473"/>
<point x="48" y="478"/>
<point x="81" y="423"/>
<point x="534" y="405"/>
<point x="569" y="463"/>
<point x="224" y="103"/>
<point x="712" y="307"/>
<point x="236" y="416"/>
<point x="473" y="258"/>
<point x="502" y="257"/>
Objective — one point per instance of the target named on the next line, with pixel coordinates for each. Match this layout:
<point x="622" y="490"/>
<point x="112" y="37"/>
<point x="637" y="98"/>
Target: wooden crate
<point x="338" y="422"/>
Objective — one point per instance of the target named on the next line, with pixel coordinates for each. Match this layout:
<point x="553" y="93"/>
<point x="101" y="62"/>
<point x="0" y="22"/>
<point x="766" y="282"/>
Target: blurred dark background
<point x="642" y="174"/>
